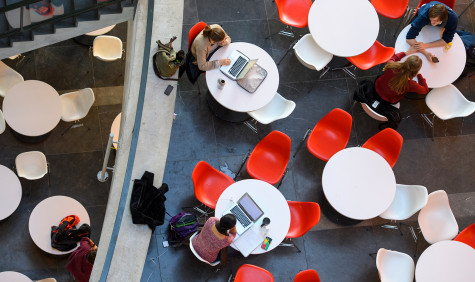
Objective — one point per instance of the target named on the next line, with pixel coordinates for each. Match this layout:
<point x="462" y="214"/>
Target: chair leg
<point x="252" y="127"/>
<point x="430" y="122"/>
<point x="282" y="179"/>
<point x="49" y="173"/>
<point x="69" y="127"/>
<point x="238" y="174"/>
<point x="289" y="244"/>
<point x="347" y="70"/>
<point x="301" y="142"/>
<point x="286" y="52"/>
<point x="325" y="70"/>
<point x="406" y="13"/>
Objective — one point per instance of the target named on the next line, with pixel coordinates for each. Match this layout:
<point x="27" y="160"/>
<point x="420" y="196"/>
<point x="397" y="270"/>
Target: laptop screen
<point x="250" y="207"/>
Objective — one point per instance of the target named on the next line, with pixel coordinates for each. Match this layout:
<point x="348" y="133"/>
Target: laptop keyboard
<point x="241" y="216"/>
<point x="237" y="66"/>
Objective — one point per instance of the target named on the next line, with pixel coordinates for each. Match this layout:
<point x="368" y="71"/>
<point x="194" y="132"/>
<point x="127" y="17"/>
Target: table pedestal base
<point x="30" y="139"/>
<point x="224" y="113"/>
<point x="85" y="39"/>
<point x="333" y="215"/>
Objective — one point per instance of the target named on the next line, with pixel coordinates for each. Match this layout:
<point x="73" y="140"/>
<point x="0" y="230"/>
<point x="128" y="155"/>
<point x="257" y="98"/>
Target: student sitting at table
<point x="82" y="259"/>
<point x="435" y="14"/>
<point x="216" y="234"/>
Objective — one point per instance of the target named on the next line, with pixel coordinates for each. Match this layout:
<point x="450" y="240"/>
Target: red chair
<point x="387" y="143"/>
<point x="294" y="12"/>
<point x="308" y="275"/>
<point x="303" y="216"/>
<point x="268" y="161"/>
<point x="467" y="236"/>
<point x="194" y="31"/>
<point x="330" y="134"/>
<point x="393" y="9"/>
<point x="252" y="273"/>
<point x="209" y="183"/>
<point x="375" y="55"/>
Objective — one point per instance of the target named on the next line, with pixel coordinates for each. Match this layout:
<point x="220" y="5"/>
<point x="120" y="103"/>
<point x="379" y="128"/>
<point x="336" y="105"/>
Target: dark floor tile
<point x="107" y="114"/>
<point x="231" y="10"/>
<point x="271" y="9"/>
<point x="108" y="73"/>
<point x="151" y="268"/>
<point x="26" y="67"/>
<point x="190" y="12"/>
<point x="96" y="215"/>
<point x="120" y="30"/>
<point x="10" y="146"/>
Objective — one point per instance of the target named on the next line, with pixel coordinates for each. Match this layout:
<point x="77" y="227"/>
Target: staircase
<point x="50" y="21"/>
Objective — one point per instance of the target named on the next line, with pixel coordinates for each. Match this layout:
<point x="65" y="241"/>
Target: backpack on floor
<point x="181" y="227"/>
<point x="167" y="61"/>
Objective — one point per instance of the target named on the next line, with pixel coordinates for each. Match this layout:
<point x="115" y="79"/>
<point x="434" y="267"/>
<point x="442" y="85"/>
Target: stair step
<point x="111" y="9"/>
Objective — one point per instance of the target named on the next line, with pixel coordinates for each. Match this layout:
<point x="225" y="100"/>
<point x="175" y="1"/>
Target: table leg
<point x="224" y="113"/>
<point x="30" y="139"/>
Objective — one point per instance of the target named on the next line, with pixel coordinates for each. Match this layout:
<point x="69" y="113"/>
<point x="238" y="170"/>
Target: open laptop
<point x="247" y="212"/>
<point x="240" y="65"/>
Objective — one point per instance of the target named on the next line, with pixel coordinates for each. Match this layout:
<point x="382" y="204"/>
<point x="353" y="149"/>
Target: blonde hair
<point x="404" y="72"/>
<point x="216" y="34"/>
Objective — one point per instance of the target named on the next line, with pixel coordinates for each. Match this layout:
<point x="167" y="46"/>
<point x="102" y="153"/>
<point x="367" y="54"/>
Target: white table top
<point x="451" y="62"/>
<point x="32" y="108"/>
<point x="344" y="28"/>
<point x="115" y="129"/>
<point x="233" y="96"/>
<point x="358" y="183"/>
<point x="446" y="261"/>
<point x="49" y="212"/>
<point x="101" y="31"/>
<point x="10" y="192"/>
<point x="269" y="199"/>
<point x="12" y="276"/>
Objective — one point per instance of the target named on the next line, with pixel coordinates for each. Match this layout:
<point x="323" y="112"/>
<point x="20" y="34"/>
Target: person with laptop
<point x="216" y="234"/>
<point x="206" y="43"/>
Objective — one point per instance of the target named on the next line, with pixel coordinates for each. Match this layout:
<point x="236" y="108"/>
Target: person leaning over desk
<point x="435" y="14"/>
<point x="204" y="45"/>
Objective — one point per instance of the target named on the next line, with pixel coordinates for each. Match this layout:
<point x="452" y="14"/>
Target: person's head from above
<point x="225" y="223"/>
<point x="405" y="71"/>
<point x="438" y="14"/>
<point x="214" y="35"/>
<point x="91" y="256"/>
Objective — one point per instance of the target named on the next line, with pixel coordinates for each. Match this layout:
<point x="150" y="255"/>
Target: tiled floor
<point x="338" y="253"/>
<point x="74" y="158"/>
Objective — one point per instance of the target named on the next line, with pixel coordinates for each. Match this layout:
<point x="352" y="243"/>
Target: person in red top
<point x="82" y="259"/>
<point x="216" y="234"/>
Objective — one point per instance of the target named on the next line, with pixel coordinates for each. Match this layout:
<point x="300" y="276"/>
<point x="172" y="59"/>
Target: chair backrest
<point x="387" y="143"/>
<point x="394" y="266"/>
<point x="375" y="55"/>
<point x="374" y="114"/>
<point x="436" y="219"/>
<point x="308" y="275"/>
<point x="467" y="236"/>
<point x="294" y="12"/>
<point x="278" y="108"/>
<point x="249" y="272"/>
<point x="448" y="102"/>
<point x="330" y="135"/>
<point x="449" y="3"/>
<point x="3" y="125"/>
<point x="391" y="9"/>
<point x="209" y="183"/>
<point x="76" y="105"/>
<point x="107" y="48"/>
<point x="31" y="165"/>
<point x="303" y="216"/>
<point x="310" y="54"/>
<point x="408" y="200"/>
<point x="194" y="31"/>
<point x="215" y="263"/>
<point x="8" y="78"/>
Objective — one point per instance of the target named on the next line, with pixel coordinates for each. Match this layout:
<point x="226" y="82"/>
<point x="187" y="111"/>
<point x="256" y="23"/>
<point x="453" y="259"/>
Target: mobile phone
<point x="168" y="90"/>
<point x="435" y="59"/>
<point x="265" y="245"/>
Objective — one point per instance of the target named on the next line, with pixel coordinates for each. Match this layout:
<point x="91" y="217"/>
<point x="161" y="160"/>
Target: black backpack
<point x="65" y="236"/>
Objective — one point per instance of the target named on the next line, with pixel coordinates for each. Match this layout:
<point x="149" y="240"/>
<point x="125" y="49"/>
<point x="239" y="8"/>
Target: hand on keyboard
<point x="225" y="62"/>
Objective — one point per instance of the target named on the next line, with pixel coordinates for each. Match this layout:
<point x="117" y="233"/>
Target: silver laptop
<point x="247" y="212"/>
<point x="240" y="65"/>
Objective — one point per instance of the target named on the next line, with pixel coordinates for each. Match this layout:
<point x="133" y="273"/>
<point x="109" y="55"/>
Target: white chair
<point x="8" y="78"/>
<point x="311" y="55"/>
<point x="107" y="48"/>
<point x="374" y="114"/>
<point x="394" y="266"/>
<point x="446" y="103"/>
<point x="3" y="126"/>
<point x="436" y="219"/>
<point x="278" y="108"/>
<point x="198" y="256"/>
<point x="76" y="105"/>
<point x="32" y="165"/>
<point x="408" y="200"/>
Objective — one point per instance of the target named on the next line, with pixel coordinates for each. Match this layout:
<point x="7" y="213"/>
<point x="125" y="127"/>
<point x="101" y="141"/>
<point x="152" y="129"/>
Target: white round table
<point x="115" y="129"/>
<point x="12" y="276"/>
<point x="358" y="183"/>
<point x="10" y="192"/>
<point x="32" y="108"/>
<point x="344" y="28"/>
<point x="446" y="261"/>
<point x="101" y="31"/>
<point x="49" y="212"/>
<point x="269" y="199"/>
<point x="451" y="62"/>
<point x="232" y="96"/>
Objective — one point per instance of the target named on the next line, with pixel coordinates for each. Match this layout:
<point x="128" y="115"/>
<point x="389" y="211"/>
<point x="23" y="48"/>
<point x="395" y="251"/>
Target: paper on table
<point x="248" y="241"/>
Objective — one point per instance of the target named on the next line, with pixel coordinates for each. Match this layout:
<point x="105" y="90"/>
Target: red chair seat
<point x="270" y="157"/>
<point x="252" y="273"/>
<point x="393" y="9"/>
<point x="209" y="183"/>
<point x="387" y="143"/>
<point x="308" y="275"/>
<point x="303" y="216"/>
<point x="375" y="55"/>
<point x="294" y="12"/>
<point x="467" y="236"/>
<point x="330" y="134"/>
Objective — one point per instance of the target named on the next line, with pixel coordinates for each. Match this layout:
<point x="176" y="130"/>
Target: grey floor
<point x="74" y="158"/>
<point x="338" y="253"/>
